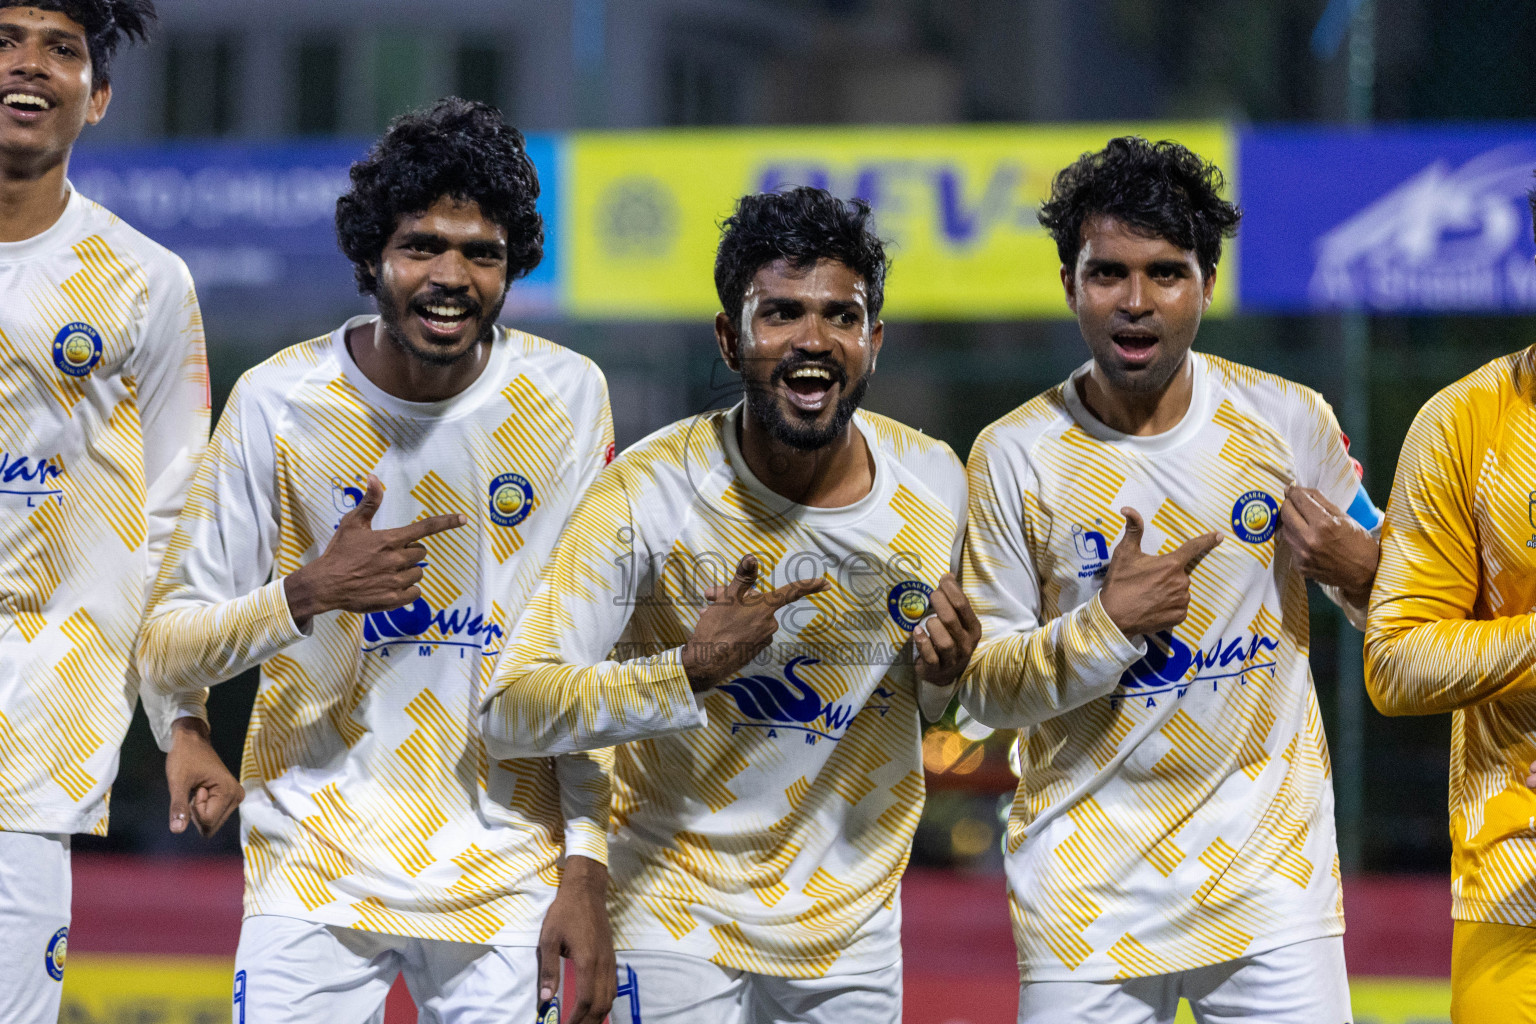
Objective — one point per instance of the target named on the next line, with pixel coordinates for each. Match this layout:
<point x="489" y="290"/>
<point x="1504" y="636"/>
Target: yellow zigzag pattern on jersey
<point x="1451" y="625"/>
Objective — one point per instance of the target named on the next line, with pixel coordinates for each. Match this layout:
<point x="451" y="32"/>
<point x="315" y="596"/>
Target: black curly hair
<point x="1160" y="188"/>
<point x="456" y="148"/>
<point x="801" y="225"/>
<point x="106" y="24"/>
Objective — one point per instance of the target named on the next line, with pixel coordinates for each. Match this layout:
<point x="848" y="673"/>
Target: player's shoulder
<point x="1268" y="393"/>
<point x="927" y="462"/>
<point x="1481" y="397"/>
<point x="127" y="243"/>
<point x="278" y="378"/>
<point x="569" y="373"/>
<point x="687" y="450"/>
<point x="1014" y="435"/>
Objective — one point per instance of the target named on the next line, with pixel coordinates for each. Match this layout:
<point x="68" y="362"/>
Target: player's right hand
<point x="363" y="569"/>
<point x="738" y="622"/>
<point x="1145" y="594"/>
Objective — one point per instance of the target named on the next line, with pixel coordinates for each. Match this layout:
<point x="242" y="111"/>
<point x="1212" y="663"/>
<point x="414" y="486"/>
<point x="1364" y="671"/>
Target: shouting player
<point x="763" y="818"/>
<point x="1139" y="538"/>
<point x="104" y="415"/>
<point x="1451" y="629"/>
<point x="370" y="516"/>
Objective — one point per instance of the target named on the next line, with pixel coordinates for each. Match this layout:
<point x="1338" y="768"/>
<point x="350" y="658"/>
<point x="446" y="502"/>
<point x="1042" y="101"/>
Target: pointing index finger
<point x="1196" y="548"/>
<point x="424" y="528"/>
<point x="791" y="592"/>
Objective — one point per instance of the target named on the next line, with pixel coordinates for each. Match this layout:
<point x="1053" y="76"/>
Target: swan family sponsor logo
<point x="430" y="631"/>
<point x="77" y="349"/>
<point x="1172" y="666"/>
<point x="33" y="479"/>
<point x="791" y="704"/>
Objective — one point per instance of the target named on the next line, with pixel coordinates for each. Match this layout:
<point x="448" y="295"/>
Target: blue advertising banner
<point x="260" y="218"/>
<point x="1392" y="220"/>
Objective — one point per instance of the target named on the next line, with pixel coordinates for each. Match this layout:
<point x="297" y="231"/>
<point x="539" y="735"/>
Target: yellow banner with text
<point x="958" y="205"/>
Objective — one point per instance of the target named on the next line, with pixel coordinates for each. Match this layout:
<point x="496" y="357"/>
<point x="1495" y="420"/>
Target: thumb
<point x="745" y="578"/>
<point x="181" y="810"/>
<point x="1134" y="529"/>
<point x="549" y="965"/>
<point x="373" y="497"/>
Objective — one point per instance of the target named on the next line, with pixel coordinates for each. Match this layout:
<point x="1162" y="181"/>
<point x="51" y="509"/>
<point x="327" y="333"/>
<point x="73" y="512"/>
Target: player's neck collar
<point x="493" y="378"/>
<point x="879" y="494"/>
<point x="60" y="235"/>
<point x="1194" y="419"/>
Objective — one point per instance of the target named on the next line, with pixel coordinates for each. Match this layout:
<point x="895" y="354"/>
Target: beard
<point x="1154" y="378"/>
<point x="393" y="313"/>
<point x="762" y="402"/>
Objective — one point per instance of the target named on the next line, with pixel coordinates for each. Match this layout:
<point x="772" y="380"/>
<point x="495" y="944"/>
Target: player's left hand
<point x="947" y="636"/>
<point x="202" y="789"/>
<point x="576" y="928"/>
<point x="1530" y="776"/>
<point x="1328" y="546"/>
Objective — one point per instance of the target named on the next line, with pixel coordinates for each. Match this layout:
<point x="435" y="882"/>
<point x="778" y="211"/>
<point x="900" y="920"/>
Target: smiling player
<point x="1138" y="541"/>
<point x="105" y="411"/>
<point x="369" y="519"/>
<point x="763" y="822"/>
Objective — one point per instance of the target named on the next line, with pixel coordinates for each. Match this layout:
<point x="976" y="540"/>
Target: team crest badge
<point x="57" y="952"/>
<point x="1255" y="517"/>
<point x="549" y="1013"/>
<point x="908" y="603"/>
<point x="77" y="349"/>
<point x="511" y="499"/>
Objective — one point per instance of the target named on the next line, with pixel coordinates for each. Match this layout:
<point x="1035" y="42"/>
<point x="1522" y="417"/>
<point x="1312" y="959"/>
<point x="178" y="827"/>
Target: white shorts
<point x="289" y="971"/>
<point x="1303" y="983"/>
<point x="34" y="926"/>
<point x="671" y="988"/>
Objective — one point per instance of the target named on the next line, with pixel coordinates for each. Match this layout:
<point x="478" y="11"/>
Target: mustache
<point x="795" y="360"/>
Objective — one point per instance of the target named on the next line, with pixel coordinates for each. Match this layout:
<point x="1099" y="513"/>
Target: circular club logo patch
<point x="77" y="349"/>
<point x="511" y="499"/>
<point x="908" y="603"/>
<point x="57" y="952"/>
<point x="549" y="1013"/>
<point x="1255" y="517"/>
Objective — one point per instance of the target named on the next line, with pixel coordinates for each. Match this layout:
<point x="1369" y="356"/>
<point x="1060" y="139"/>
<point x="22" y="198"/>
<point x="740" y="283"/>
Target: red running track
<point x="955" y="930"/>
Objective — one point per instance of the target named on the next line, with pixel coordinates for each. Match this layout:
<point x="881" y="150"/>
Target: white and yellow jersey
<point x="103" y="414"/>
<point x="1451" y="624"/>
<point x="764" y="825"/>
<point x="1175" y="808"/>
<point x="370" y="800"/>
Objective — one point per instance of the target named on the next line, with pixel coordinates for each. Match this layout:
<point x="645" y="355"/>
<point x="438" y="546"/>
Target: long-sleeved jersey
<point x="370" y="800"/>
<point x="103" y="414"/>
<point x="764" y="825"/>
<point x="1451" y="623"/>
<point x="1174" y="808"/>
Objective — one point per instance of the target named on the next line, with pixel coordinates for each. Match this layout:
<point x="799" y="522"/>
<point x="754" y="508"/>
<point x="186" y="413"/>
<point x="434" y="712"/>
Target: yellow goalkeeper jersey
<point x="103" y="414"/>
<point x="1175" y="808"/>
<point x="764" y="825"/>
<point x="1451" y="623"/>
<point x="370" y="800"/>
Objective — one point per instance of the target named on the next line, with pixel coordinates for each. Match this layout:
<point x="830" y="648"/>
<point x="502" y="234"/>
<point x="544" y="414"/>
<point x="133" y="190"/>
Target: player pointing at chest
<point x="757" y="574"/>
<point x="371" y="515"/>
<point x="1139" y="538"/>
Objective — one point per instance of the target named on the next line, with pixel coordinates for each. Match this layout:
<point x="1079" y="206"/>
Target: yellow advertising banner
<point x="958" y="205"/>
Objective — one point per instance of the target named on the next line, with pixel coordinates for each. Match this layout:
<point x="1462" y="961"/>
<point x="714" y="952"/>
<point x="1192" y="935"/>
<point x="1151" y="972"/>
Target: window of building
<point x="200" y="85"/>
<point x="317" y="86"/>
<point x="479" y="74"/>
